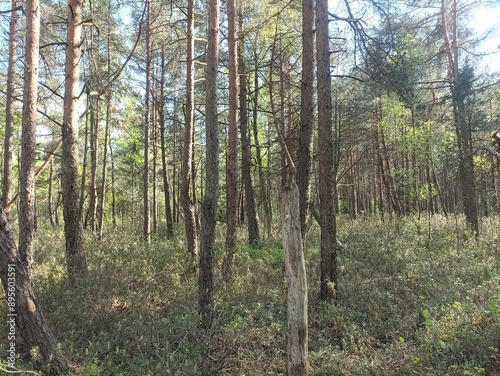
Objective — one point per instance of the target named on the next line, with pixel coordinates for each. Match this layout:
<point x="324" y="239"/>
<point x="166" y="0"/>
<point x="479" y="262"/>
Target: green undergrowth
<point x="413" y="299"/>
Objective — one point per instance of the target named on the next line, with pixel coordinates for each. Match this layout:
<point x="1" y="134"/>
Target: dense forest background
<point x="185" y="179"/>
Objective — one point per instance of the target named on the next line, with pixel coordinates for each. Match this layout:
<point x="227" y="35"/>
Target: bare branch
<point x="11" y="10"/>
<point x="493" y="152"/>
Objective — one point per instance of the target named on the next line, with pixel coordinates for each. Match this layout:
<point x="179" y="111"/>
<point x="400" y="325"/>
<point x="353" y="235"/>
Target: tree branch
<point x="117" y="74"/>
<point x="493" y="152"/>
<point x="11" y="10"/>
<point x="54" y="149"/>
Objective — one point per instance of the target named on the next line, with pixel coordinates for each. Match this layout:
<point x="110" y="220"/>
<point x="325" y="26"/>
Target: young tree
<point x="327" y="172"/>
<point x="75" y="256"/>
<point x="209" y="206"/>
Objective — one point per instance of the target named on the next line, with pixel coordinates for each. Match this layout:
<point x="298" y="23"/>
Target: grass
<point x="413" y="300"/>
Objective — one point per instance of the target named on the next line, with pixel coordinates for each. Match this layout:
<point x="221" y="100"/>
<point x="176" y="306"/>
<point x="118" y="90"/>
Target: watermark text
<point x="11" y="315"/>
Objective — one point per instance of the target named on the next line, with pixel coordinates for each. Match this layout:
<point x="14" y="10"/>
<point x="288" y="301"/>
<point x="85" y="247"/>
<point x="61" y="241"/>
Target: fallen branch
<point x="13" y="371"/>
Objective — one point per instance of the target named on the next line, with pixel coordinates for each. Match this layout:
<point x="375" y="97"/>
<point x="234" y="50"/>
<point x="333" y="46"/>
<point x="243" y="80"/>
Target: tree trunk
<point x="305" y="152"/>
<point x="327" y="173"/>
<point x="232" y="161"/>
<point x="75" y="257"/>
<point x="246" y="152"/>
<point x="28" y="139"/>
<point x="102" y="198"/>
<point x="188" y="206"/>
<point x="9" y="111"/>
<point x="147" y="121"/>
<point x="460" y="88"/>
<point x="161" y="116"/>
<point x="388" y="178"/>
<point x="107" y="130"/>
<point x="93" y="100"/>
<point x="209" y="206"/>
<point x="154" y="173"/>
<point x="175" y="180"/>
<point x="50" y="194"/>
<point x="84" y="164"/>
<point x="113" y="190"/>
<point x="297" y="357"/>
<point x="260" y="168"/>
<point x="23" y="309"/>
<point x="94" y="154"/>
<point x="379" y="191"/>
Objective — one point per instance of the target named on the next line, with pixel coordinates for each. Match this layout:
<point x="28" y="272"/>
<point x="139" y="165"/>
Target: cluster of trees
<point x="194" y="114"/>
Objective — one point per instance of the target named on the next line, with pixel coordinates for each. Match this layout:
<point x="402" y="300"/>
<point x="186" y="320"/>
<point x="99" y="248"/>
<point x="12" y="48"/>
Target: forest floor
<point x="414" y="298"/>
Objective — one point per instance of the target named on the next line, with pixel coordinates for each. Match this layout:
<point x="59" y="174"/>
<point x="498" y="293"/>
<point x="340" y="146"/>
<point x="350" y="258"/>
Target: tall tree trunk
<point x="28" y="139"/>
<point x="17" y="267"/>
<point x="102" y="198"/>
<point x="94" y="154"/>
<point x="84" y="164"/>
<point x="260" y="168"/>
<point x="92" y="84"/>
<point x="75" y="256"/>
<point x="154" y="140"/>
<point x="209" y="206"/>
<point x="246" y="152"/>
<point x="327" y="173"/>
<point x="232" y="161"/>
<point x="175" y="180"/>
<point x="305" y="152"/>
<point x="147" y="121"/>
<point x="460" y="87"/>
<point x="297" y="329"/>
<point x="9" y="111"/>
<point x="162" y="125"/>
<point x="188" y="205"/>
<point x="23" y="309"/>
